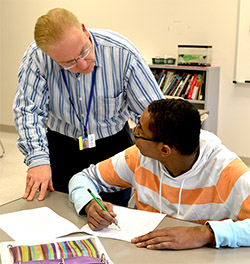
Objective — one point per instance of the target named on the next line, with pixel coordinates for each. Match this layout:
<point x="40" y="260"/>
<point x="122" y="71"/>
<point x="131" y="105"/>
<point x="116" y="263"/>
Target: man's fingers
<point x="97" y="217"/>
<point x="97" y="223"/>
<point x="33" y="192"/>
<point x="28" y="187"/>
<point x="143" y="238"/>
<point x="42" y="193"/>
<point x="50" y="186"/>
<point x="162" y="245"/>
<point x="38" y="177"/>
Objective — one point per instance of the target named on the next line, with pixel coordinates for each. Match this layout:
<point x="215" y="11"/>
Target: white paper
<point x="43" y="223"/>
<point x="35" y="224"/>
<point x="132" y="222"/>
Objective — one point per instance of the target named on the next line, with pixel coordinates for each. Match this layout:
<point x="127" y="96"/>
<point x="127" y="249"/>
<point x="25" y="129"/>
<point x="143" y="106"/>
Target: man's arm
<point x="84" y="202"/>
<point x="222" y="233"/>
<point x="141" y="86"/>
<point x="110" y="175"/>
<point x="78" y="193"/>
<point x="30" y="112"/>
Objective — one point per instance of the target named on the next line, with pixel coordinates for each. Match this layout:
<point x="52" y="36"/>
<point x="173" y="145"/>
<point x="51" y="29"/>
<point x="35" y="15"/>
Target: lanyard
<point x="90" y="99"/>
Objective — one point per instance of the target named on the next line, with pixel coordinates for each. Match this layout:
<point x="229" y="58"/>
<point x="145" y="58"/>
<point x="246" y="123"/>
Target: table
<point x="122" y="252"/>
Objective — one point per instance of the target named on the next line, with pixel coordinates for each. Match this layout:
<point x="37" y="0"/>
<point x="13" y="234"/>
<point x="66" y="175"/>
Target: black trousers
<point x="66" y="159"/>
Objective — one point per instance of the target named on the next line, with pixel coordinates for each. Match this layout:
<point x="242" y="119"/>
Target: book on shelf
<point x="191" y="89"/>
<point x="169" y="77"/>
<point x="188" y="87"/>
<point x="196" y="87"/>
<point x="172" y="84"/>
<point x="184" y="85"/>
<point x="201" y="87"/>
<point x="176" y="86"/>
<point x="161" y="77"/>
<point x="164" y="79"/>
<point x="180" y="84"/>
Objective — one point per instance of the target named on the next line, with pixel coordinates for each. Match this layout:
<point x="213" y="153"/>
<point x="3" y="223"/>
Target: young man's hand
<point x="97" y="217"/>
<point x="175" y="238"/>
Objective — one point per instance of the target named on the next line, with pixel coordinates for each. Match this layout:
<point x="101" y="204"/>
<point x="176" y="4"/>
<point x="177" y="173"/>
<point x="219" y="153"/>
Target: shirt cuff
<point x="224" y="232"/>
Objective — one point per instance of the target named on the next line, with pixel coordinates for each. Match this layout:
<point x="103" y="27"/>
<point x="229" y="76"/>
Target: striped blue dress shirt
<point x="124" y="87"/>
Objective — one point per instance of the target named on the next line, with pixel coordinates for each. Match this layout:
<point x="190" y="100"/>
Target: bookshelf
<point x="207" y="90"/>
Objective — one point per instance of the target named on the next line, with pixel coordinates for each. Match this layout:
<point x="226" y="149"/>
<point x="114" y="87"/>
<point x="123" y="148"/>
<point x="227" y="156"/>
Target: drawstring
<point x="160" y="193"/>
<point x="179" y="200"/>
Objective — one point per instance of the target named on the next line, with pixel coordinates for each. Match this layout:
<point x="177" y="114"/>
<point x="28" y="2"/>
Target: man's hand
<point x="38" y="177"/>
<point x="97" y="217"/>
<point x="175" y="238"/>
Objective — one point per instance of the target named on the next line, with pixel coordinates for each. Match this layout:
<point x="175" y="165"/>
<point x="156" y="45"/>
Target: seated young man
<point x="176" y="169"/>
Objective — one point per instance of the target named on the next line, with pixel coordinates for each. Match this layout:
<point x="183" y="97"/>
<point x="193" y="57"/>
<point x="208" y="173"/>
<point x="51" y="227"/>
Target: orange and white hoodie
<point x="216" y="187"/>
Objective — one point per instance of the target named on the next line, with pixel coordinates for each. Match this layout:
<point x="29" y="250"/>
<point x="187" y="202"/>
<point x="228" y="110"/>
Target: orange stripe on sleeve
<point x="110" y="176"/>
<point x="229" y="176"/>
<point x="245" y="209"/>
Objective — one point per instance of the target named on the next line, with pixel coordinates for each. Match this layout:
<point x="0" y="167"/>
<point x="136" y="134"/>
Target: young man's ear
<point x="165" y="149"/>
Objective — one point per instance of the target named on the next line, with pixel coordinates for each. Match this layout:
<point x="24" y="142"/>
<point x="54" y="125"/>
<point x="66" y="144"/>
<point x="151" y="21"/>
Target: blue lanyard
<point x="90" y="99"/>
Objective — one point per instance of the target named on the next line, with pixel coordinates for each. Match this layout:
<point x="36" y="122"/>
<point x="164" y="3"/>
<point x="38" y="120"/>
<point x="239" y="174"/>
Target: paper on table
<point x="35" y="224"/>
<point x="43" y="223"/>
<point x="132" y="223"/>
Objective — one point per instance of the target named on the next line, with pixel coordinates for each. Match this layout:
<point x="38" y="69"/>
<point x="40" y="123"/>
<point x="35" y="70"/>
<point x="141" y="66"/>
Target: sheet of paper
<point x="132" y="223"/>
<point x="43" y="223"/>
<point x="36" y="224"/>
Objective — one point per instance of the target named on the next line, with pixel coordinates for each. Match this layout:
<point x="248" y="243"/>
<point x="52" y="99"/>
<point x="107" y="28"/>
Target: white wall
<point x="156" y="28"/>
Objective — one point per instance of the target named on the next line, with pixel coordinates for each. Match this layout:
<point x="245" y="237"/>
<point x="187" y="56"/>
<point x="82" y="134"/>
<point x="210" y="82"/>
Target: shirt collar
<point x="96" y="49"/>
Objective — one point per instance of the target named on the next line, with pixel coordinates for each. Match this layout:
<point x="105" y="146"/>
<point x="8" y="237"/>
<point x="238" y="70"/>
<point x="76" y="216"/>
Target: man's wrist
<point x="85" y="209"/>
<point x="212" y="236"/>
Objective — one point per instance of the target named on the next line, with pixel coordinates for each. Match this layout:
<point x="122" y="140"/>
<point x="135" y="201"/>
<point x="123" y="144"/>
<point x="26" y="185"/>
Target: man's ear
<point x="165" y="149"/>
<point x="83" y="28"/>
<point x="85" y="31"/>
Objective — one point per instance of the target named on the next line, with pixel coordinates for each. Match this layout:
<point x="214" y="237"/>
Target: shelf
<point x="210" y="89"/>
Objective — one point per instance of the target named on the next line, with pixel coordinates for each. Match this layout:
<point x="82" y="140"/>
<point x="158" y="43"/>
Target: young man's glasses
<point x="139" y="137"/>
<point x="70" y="64"/>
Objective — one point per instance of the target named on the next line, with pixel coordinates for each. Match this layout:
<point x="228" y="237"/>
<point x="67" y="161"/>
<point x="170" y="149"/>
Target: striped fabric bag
<point x="68" y="252"/>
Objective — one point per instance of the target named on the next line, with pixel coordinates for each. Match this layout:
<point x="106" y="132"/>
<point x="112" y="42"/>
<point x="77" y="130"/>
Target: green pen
<point x="100" y="204"/>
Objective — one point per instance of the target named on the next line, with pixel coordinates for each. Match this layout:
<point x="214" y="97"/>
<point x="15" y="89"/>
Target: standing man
<point x="76" y="84"/>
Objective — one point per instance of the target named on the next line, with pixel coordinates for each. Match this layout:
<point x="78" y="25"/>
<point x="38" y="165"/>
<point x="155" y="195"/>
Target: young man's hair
<point x="175" y="122"/>
<point x="51" y="27"/>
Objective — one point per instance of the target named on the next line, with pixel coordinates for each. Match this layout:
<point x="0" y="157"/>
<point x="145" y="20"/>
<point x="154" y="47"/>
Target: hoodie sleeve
<point x="231" y="234"/>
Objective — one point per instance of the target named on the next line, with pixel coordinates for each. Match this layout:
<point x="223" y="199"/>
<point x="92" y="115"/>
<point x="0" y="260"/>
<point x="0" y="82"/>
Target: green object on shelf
<point x="169" y="61"/>
<point x="188" y="58"/>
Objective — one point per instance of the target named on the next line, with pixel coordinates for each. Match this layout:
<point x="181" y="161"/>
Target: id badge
<point x="87" y="142"/>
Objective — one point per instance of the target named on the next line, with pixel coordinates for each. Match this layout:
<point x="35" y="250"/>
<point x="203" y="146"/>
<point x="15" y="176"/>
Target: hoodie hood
<point x="209" y="144"/>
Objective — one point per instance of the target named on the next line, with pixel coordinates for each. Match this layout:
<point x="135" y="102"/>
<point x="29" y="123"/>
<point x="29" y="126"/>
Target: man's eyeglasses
<point x="139" y="137"/>
<point x="70" y="64"/>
